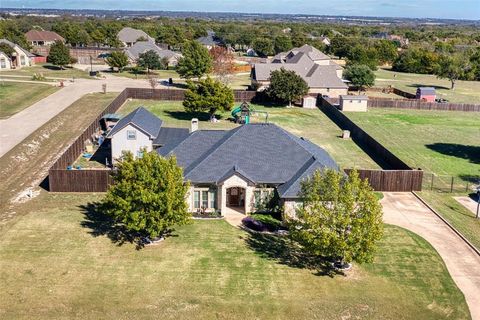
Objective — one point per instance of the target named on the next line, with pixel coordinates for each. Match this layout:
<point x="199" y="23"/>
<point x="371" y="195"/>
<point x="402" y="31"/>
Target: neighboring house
<point x="5" y="62"/>
<point x="129" y="36"/>
<point x="353" y="103"/>
<point x="140" y="47"/>
<point x="141" y="130"/>
<point x="402" y="41"/>
<point x="43" y="38"/>
<point x="251" y="52"/>
<point x="210" y="41"/>
<point x="321" y="74"/>
<point x="20" y="58"/>
<point x="427" y="94"/>
<point x="323" y="39"/>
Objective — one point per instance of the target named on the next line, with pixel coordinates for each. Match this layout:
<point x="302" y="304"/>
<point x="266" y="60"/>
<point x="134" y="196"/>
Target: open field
<point x="16" y="96"/>
<point x="465" y="91"/>
<point x="311" y="124"/>
<point x="442" y="142"/>
<point x="47" y="70"/>
<point x="58" y="259"/>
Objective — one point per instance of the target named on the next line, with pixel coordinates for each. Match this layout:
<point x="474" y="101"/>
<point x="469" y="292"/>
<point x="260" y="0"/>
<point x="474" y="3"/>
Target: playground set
<point x="243" y="113"/>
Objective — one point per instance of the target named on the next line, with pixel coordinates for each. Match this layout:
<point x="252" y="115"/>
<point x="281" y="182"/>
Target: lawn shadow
<point x="56" y="68"/>
<point x="101" y="224"/>
<point x="184" y="115"/>
<point x="418" y="85"/>
<point x="471" y="153"/>
<point x="284" y="251"/>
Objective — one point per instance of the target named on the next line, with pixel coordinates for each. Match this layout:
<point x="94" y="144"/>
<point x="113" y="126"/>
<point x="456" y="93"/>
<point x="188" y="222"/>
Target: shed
<point x="426" y="93"/>
<point x="353" y="103"/>
<point x="309" y="102"/>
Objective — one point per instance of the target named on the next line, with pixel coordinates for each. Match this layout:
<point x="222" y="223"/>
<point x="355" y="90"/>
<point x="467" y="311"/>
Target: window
<point x="196" y="199"/>
<point x="257" y="194"/>
<point x="131" y="135"/>
<point x="204" y="199"/>
<point x="22" y="60"/>
<point x="212" y="199"/>
<point x="139" y="154"/>
<point x="3" y="63"/>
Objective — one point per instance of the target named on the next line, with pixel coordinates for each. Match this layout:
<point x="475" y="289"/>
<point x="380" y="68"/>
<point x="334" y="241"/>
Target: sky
<point x="453" y="9"/>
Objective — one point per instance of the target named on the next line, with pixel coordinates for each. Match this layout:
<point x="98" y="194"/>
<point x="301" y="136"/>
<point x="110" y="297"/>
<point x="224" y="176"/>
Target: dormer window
<point x="131" y="135"/>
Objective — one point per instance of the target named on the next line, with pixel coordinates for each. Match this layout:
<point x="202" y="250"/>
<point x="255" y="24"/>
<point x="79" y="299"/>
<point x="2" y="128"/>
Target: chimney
<point x="194" y="125"/>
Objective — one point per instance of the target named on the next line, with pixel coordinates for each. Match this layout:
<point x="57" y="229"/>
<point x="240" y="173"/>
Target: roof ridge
<point x="289" y="184"/>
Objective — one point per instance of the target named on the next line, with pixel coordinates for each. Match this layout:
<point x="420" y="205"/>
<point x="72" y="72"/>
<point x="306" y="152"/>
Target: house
<point x="20" y="57"/>
<point x="426" y="94"/>
<point x="141" y="130"/>
<point x="43" y="38"/>
<point x="353" y="103"/>
<point x="402" y="41"/>
<point x="228" y="169"/>
<point x="210" y="40"/>
<point x="251" y="52"/>
<point x="5" y="61"/>
<point x="140" y="47"/>
<point x="129" y="36"/>
<point x="321" y="74"/>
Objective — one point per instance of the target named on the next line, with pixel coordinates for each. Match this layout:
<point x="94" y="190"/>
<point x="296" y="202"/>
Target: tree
<point x="196" y="61"/>
<point x="223" y="63"/>
<point x="148" y="195"/>
<point x="117" y="59"/>
<point x="286" y="86"/>
<point x="453" y="68"/>
<point x="386" y="51"/>
<point x="416" y="61"/>
<point x="341" y="218"/>
<point x="152" y="81"/>
<point x="360" y="76"/>
<point x="282" y="43"/>
<point x="361" y="55"/>
<point x="5" y="48"/>
<point x="263" y="46"/>
<point x="149" y="60"/>
<point x="59" y="54"/>
<point x="208" y="95"/>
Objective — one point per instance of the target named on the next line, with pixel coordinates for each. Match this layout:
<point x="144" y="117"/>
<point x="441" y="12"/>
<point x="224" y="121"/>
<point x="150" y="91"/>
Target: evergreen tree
<point x="117" y="59"/>
<point x="196" y="61"/>
<point x="286" y="86"/>
<point x="149" y="60"/>
<point x="59" y="54"/>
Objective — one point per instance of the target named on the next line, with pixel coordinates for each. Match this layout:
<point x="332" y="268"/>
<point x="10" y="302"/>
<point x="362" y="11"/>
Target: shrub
<point x="262" y="222"/>
<point x="38" y="77"/>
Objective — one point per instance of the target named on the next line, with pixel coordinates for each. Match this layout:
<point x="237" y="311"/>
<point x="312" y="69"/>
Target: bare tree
<point x="153" y="81"/>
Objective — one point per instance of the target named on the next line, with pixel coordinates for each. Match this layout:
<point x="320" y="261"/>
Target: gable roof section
<point x="210" y="39"/>
<point x="235" y="171"/>
<point x="128" y="34"/>
<point x="171" y="136"/>
<point x="42" y="35"/>
<point x="140" y="47"/>
<point x="292" y="188"/>
<point x="312" y="52"/>
<point x="142" y="119"/>
<point x="13" y="45"/>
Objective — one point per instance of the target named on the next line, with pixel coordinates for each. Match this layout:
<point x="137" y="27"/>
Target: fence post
<point x="451" y="186"/>
<point x="431" y="186"/>
<point x="466" y="188"/>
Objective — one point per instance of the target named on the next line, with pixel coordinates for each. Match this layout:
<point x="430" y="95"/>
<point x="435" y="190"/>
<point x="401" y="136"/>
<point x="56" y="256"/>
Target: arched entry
<point x="236" y="199"/>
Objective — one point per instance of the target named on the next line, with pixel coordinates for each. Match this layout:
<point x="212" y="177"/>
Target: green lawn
<point x="465" y="91"/>
<point x="58" y="260"/>
<point x="162" y="74"/>
<point x="16" y="96"/>
<point x="312" y="124"/>
<point x="47" y="70"/>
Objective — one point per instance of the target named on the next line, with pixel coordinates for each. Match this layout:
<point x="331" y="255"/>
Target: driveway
<point x="405" y="210"/>
<point x="21" y="125"/>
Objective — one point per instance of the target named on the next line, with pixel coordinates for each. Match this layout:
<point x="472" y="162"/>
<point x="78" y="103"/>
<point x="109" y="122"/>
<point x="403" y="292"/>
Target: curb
<point x="447" y="223"/>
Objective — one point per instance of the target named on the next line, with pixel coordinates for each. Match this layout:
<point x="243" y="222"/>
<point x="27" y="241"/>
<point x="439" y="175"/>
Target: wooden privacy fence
<point x="392" y="180"/>
<point x="421" y="105"/>
<point x="62" y="180"/>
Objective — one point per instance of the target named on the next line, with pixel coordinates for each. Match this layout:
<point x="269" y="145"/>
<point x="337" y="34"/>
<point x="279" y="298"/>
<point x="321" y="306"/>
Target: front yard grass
<point x="16" y="96"/>
<point x="465" y="91"/>
<point x="57" y="260"/>
<point x="309" y="123"/>
<point x="47" y="70"/>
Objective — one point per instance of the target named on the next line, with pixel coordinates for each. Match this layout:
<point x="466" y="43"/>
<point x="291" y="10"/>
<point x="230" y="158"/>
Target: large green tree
<point x="286" y="86"/>
<point x="196" y="61"/>
<point x="360" y="76"/>
<point x="148" y="195"/>
<point x="340" y="220"/>
<point x="149" y="60"/>
<point x="386" y="51"/>
<point x="453" y="68"/>
<point x="59" y="54"/>
<point x="208" y="95"/>
<point x="117" y="59"/>
<point x="263" y="46"/>
<point x="282" y="43"/>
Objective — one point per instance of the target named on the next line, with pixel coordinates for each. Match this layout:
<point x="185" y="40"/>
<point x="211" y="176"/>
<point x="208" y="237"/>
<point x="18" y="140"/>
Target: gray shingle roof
<point x="13" y="45"/>
<point x="171" y="136"/>
<point x="210" y="40"/>
<point x="426" y="90"/>
<point x="262" y="153"/>
<point x="128" y="34"/>
<point x="140" y="47"/>
<point x="142" y="119"/>
<point x="312" y="52"/>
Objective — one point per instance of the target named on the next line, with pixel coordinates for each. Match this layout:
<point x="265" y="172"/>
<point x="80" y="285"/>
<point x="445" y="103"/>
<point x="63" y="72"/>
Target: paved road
<point x="19" y="126"/>
<point x="405" y="210"/>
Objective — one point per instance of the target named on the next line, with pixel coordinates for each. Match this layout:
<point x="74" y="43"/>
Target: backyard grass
<point x="442" y="142"/>
<point x="312" y="124"/>
<point x="161" y="74"/>
<point x="58" y="260"/>
<point x="47" y="70"/>
<point x="465" y="91"/>
<point x="16" y="96"/>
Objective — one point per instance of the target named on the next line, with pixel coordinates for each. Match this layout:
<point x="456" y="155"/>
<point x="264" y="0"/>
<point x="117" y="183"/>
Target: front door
<point x="235" y="197"/>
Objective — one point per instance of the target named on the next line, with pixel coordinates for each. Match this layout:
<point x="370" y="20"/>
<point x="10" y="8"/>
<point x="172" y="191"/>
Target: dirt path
<point x="405" y="210"/>
<point x="19" y="126"/>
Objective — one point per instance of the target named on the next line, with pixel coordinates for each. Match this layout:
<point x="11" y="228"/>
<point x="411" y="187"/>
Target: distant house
<point x="43" y="38"/>
<point x="427" y="94"/>
<point x="141" y="130"/>
<point x="5" y="61"/>
<point x="129" y="36"/>
<point x="402" y="41"/>
<point x="140" y="47"/>
<point x="321" y="74"/>
<point x="210" y="41"/>
<point x="251" y="52"/>
<point x="20" y="57"/>
<point x="353" y="103"/>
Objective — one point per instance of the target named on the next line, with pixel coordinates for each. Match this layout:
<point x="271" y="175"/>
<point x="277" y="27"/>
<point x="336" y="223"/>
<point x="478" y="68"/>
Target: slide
<point x="235" y="111"/>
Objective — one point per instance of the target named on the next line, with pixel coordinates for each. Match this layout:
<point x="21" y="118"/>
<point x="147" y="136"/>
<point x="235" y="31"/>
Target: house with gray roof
<point x="19" y="59"/>
<point x="210" y="40"/>
<point x="134" y="52"/>
<point x="129" y="36"/>
<point x="321" y="74"/>
<point x="227" y="169"/>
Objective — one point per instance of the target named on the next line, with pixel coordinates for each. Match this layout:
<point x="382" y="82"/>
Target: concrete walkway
<point x="22" y="124"/>
<point x="468" y="203"/>
<point x="233" y="217"/>
<point x="463" y="264"/>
